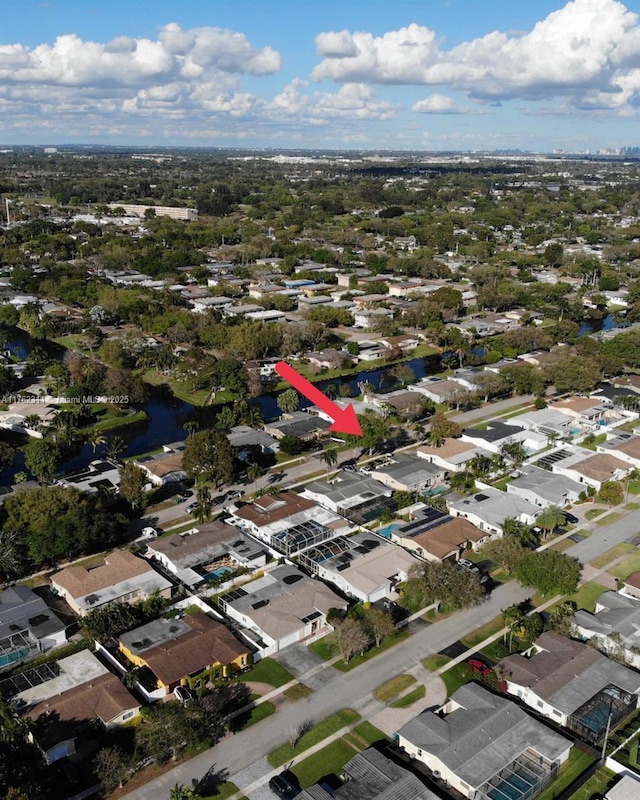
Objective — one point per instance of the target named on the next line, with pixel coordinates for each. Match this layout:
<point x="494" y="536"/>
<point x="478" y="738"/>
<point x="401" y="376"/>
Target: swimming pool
<point x="217" y="574"/>
<point x="389" y="529"/>
<point x="12" y="658"/>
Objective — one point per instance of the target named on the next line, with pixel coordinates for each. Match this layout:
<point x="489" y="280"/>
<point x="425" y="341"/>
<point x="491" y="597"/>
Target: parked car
<point x="182" y="694"/>
<point x="186" y="494"/>
<point x="191" y="507"/>
<point x="479" y="667"/>
<point x="149" y="533"/>
<point x="233" y="494"/>
<point x="465" y="564"/>
<point x="571" y="519"/>
<point x="285" y="785"/>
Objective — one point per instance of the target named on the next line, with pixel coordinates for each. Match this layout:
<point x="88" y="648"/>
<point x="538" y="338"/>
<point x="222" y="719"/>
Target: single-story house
<point x="496" y="433"/>
<point x="407" y="473"/>
<point x="299" y="424"/>
<point x="289" y="522"/>
<point x="206" y="550"/>
<point x="594" y="470"/>
<point x="180" y="651"/>
<point x="616" y="624"/>
<point x="121" y="577"/>
<point x="453" y="456"/>
<point x="435" y="536"/>
<point x="363" y="566"/>
<point x="61" y="700"/>
<point x="572" y="684"/>
<point x="626" y="447"/>
<point x="485" y="746"/>
<point x="282" y="607"/>
<point x="359" y="499"/>
<point x="28" y="626"/>
<point x="488" y="509"/>
<point x="164" y="468"/>
<point x="544" y="488"/>
<point x="370" y="775"/>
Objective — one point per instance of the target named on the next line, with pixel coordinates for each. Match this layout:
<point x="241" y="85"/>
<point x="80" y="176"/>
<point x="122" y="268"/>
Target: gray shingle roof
<point x="481" y="737"/>
<point x="372" y="776"/>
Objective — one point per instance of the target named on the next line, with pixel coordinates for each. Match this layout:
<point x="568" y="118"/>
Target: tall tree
<point x="379" y="624"/>
<point x="549" y="572"/>
<point x="288" y="401"/>
<point x="350" y="638"/>
<point x="208" y="457"/>
<point x="550" y="519"/>
<point x="42" y="458"/>
<point x="445" y="583"/>
<point x="133" y="482"/>
<point x="330" y="458"/>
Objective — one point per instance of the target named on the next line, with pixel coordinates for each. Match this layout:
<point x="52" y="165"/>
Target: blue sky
<point x="435" y="74"/>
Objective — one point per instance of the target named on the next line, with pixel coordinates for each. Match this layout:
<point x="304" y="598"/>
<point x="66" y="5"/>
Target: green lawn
<point x="592" y="513"/>
<point x="324" y="649"/>
<point x="574" y="766"/>
<point x="319" y="732"/>
<point x="368" y="733"/>
<point x="453" y="678"/>
<point x="266" y="671"/>
<point x="597" y="783"/>
<point x="225" y="790"/>
<point x="410" y="698"/>
<point x="626" y="567"/>
<point x="611" y="555"/>
<point x="253" y="715"/>
<point x="599" y="439"/>
<point x="356" y="661"/>
<point x="330" y="760"/>
<point x="633" y="487"/>
<point x="502" y="484"/>
<point x="610" y="518"/>
<point x="392" y="688"/>
<point x="297" y="692"/>
<point x="433" y="663"/>
<point x="480" y="634"/>
<point x="587" y="595"/>
<point x="631" y="506"/>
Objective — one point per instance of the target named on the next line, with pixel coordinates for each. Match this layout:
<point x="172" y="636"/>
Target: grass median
<point x="326" y="727"/>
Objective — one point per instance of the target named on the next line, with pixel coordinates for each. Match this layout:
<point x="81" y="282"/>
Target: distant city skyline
<point x="430" y="75"/>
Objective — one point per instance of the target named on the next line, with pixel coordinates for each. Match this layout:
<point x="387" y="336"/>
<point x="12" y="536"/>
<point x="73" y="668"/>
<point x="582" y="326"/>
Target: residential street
<point x="243" y="754"/>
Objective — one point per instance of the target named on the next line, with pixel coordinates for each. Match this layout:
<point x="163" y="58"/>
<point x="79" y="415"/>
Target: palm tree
<point x="203" y="503"/>
<point x="254" y="471"/>
<point x="95" y="438"/>
<point x="253" y="417"/>
<point x="13" y="727"/>
<point x="191" y="426"/>
<point x="330" y="458"/>
<point x="181" y="792"/>
<point x="116" y="447"/>
<point x="288" y="401"/>
<point x="512" y="616"/>
<point x="11" y="552"/>
<point x="550" y="519"/>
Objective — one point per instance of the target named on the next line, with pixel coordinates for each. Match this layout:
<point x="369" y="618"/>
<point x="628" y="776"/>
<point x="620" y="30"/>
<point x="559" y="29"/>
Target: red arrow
<point x="344" y="420"/>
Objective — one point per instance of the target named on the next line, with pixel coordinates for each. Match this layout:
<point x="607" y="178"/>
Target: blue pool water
<point x="13" y="658"/>
<point x="386" y="532"/>
<point x="217" y="574"/>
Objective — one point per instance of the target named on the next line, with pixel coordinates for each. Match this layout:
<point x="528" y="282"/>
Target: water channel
<point x="166" y="415"/>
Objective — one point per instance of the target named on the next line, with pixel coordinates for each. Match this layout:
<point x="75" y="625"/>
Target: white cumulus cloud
<point x="588" y="51"/>
<point x="438" y="104"/>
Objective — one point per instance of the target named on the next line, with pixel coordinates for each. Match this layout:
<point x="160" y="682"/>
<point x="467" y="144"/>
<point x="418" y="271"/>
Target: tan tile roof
<point x="164" y="465"/>
<point x="444" y="539"/>
<point x="207" y="535"/>
<point x="271" y="508"/>
<point x="284" y="613"/>
<point x="443" y="388"/>
<point x="119" y="566"/>
<point x="103" y="698"/>
<point x="207" y="643"/>
<point x="577" y="404"/>
<point x="600" y="467"/>
<point x="630" y="446"/>
<point x="451" y="447"/>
